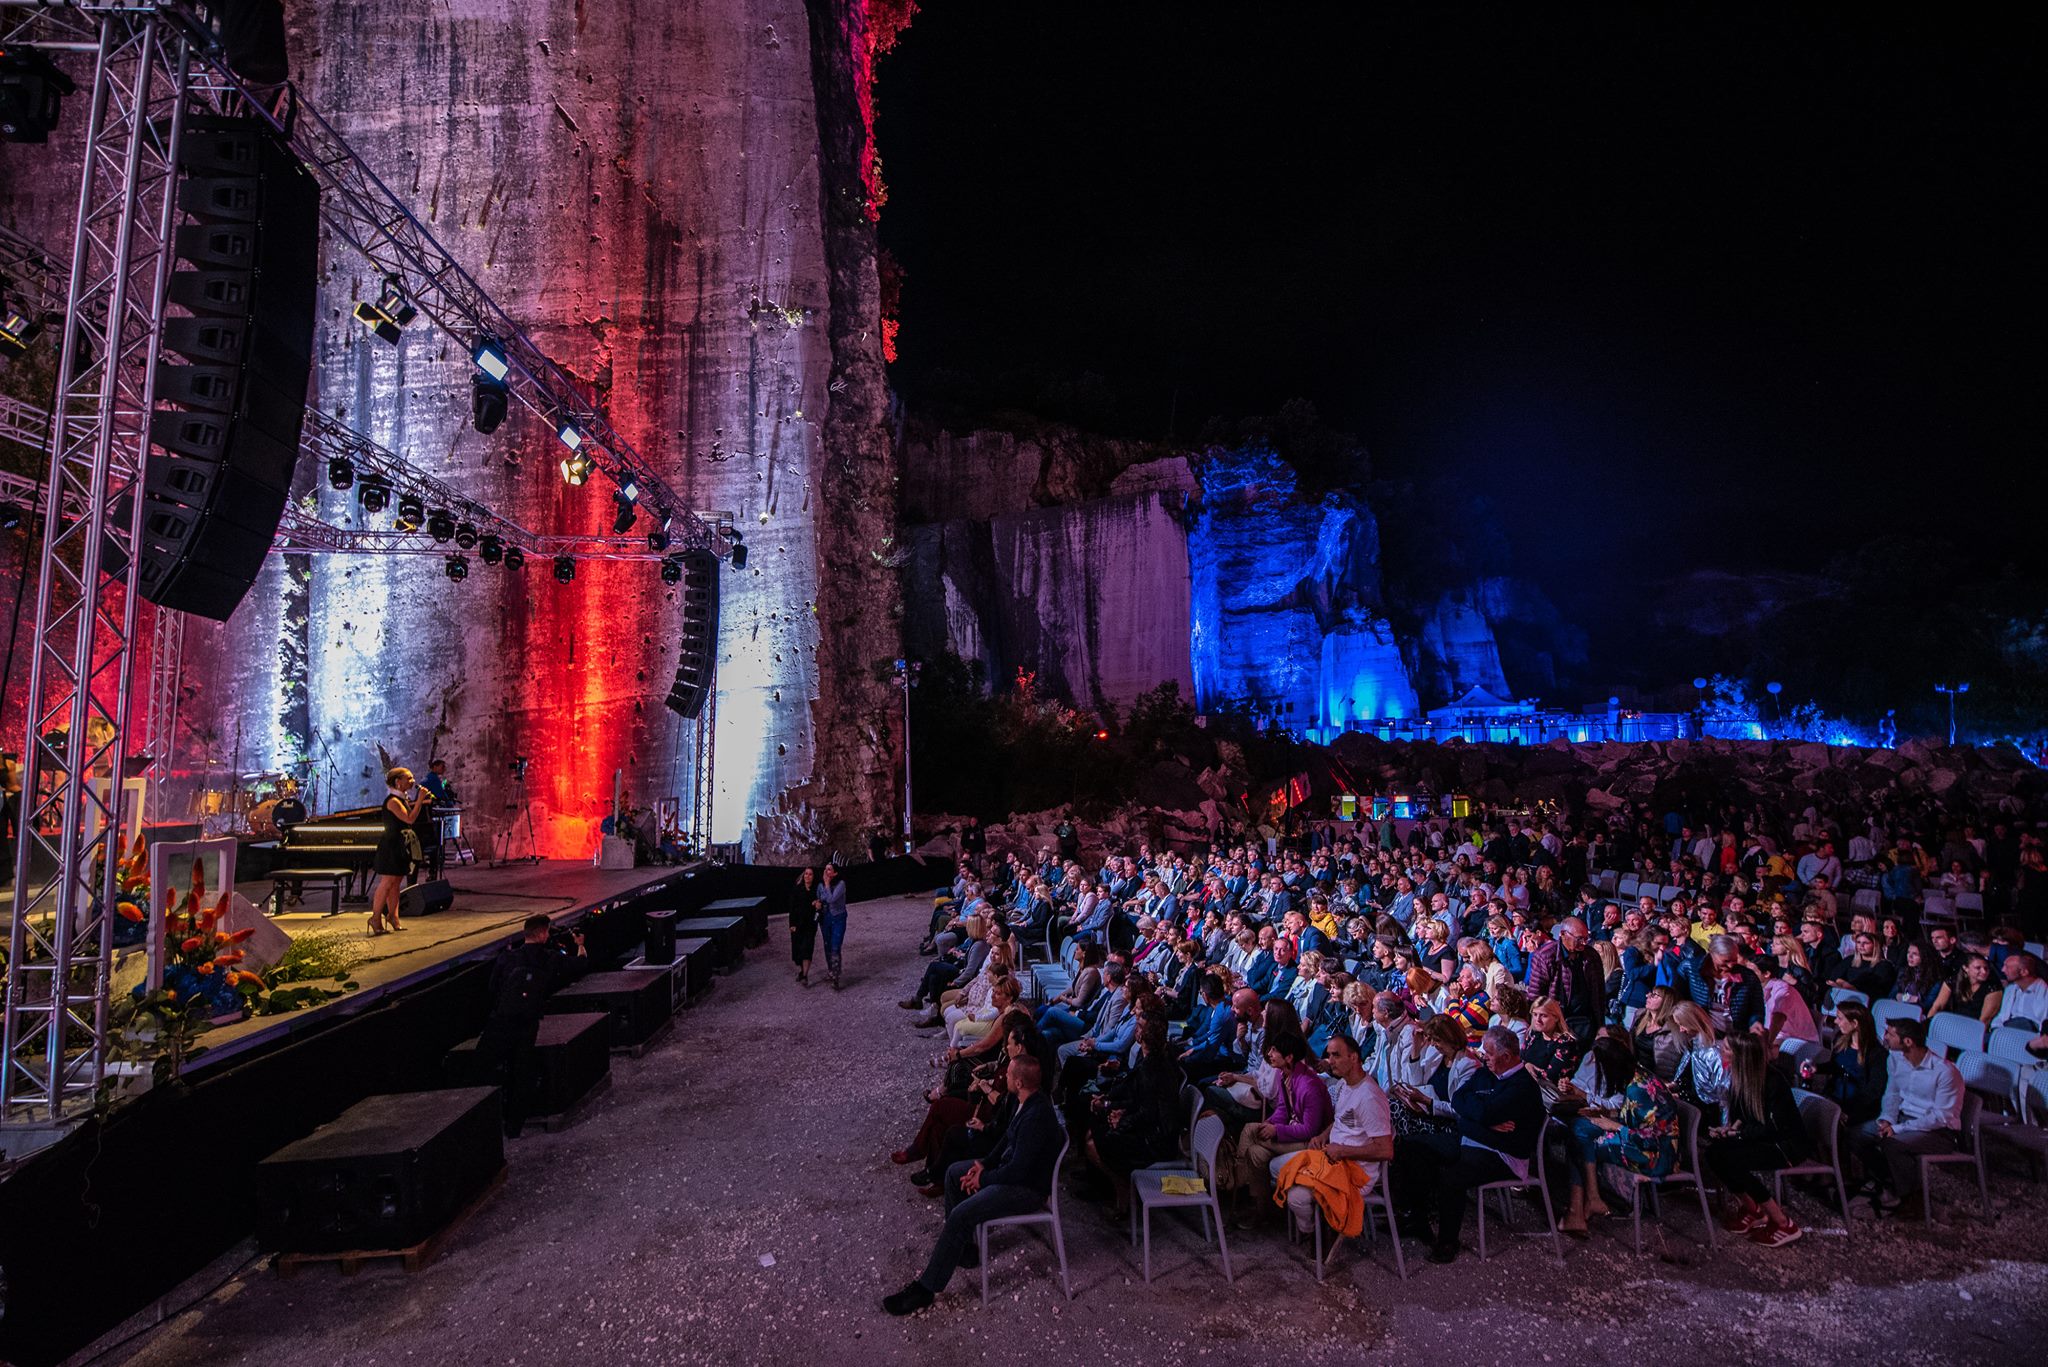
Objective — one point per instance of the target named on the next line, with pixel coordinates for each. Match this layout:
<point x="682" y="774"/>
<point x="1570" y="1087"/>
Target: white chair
<point x="1801" y="1051"/>
<point x="1149" y="1194"/>
<point x="1536" y="1179"/>
<point x="2036" y="948"/>
<point x="1838" y="995"/>
<point x="1049" y="1216"/>
<point x="1867" y="900"/>
<point x="1971" y="1151"/>
<point x="1629" y="888"/>
<point x="1687" y="1173"/>
<point x="1936" y="910"/>
<point x="1668" y="891"/>
<point x="1379" y="1202"/>
<point x="1824" y="1131"/>
<point x="2025" y="1130"/>
<point x="1996" y="1080"/>
<point x="1950" y="1031"/>
<point x="2010" y="1042"/>
<point x="1608" y="882"/>
<point x="1971" y="902"/>
<point x="1886" y="1009"/>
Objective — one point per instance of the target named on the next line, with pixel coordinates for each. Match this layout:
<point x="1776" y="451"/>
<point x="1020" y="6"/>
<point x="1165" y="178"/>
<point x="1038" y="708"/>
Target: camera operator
<point x="521" y="979"/>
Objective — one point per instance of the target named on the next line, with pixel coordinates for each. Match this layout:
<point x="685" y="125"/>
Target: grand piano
<point x="331" y="853"/>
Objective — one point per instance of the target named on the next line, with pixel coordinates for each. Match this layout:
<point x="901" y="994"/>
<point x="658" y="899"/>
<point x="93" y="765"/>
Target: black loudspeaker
<point x="388" y="1173"/>
<point x="698" y="650"/>
<point x="571" y="1057"/>
<point x="661" y="937"/>
<point x="425" y="898"/>
<point x="638" y="1001"/>
<point x="231" y="381"/>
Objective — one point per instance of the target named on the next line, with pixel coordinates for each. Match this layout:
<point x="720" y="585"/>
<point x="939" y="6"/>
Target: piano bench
<point x="334" y="880"/>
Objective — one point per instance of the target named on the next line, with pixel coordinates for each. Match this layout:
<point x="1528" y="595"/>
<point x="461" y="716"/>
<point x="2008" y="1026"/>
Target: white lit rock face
<point x="637" y="184"/>
<point x="1456" y="652"/>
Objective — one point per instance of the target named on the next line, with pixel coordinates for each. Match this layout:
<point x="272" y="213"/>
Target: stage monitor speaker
<point x="697" y="651"/>
<point x="661" y="937"/>
<point x="231" y="380"/>
<point x="424" y="899"/>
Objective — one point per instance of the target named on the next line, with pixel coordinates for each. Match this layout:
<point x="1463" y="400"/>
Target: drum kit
<point x="241" y="804"/>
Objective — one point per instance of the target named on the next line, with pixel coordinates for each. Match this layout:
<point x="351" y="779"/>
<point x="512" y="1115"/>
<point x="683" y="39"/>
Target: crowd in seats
<point x="1431" y="1009"/>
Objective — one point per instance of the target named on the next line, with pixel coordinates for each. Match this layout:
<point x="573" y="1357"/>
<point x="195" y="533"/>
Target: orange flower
<point x="233" y="956"/>
<point x="237" y="936"/>
<point x="249" y="979"/>
<point x="205" y="968"/>
<point x="191" y="944"/>
<point x="129" y="911"/>
<point x="170" y="994"/>
<point x="198" y="879"/>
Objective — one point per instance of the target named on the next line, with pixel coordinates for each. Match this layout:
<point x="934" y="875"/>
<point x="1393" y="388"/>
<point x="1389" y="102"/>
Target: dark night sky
<point x="1680" y="286"/>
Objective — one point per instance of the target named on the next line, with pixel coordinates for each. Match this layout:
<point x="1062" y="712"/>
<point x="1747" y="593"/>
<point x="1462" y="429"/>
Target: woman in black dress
<point x="803" y="923"/>
<point x="403" y="805"/>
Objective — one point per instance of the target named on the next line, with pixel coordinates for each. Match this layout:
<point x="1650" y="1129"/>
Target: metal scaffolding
<point x="60" y="934"/>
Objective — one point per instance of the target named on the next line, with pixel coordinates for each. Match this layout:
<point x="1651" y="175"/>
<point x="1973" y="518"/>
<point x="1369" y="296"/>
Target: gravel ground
<point x="760" y="1130"/>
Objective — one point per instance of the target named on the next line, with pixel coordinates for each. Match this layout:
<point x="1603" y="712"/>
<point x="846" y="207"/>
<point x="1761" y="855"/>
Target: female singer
<point x="396" y="854"/>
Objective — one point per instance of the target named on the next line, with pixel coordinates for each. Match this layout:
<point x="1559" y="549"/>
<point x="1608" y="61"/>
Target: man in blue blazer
<point x="1500" y="1116"/>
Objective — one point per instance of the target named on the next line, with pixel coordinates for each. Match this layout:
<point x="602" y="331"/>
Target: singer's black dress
<point x="392" y="859"/>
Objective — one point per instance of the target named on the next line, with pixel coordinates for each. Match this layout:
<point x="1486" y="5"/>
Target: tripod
<point x="525" y="810"/>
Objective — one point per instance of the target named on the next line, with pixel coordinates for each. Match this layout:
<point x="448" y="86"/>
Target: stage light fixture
<point x="671" y="570"/>
<point x="340" y="473"/>
<point x="11" y="517"/>
<point x="458" y="567"/>
<point x="569" y="434"/>
<point x="441" y="525"/>
<point x="739" y="554"/>
<point x="374" y="494"/>
<point x="657" y="540"/>
<point x="388" y="316"/>
<point x="17" y="331"/>
<point x="565" y="569"/>
<point x="515" y="559"/>
<point x="490" y="548"/>
<point x="489" y="402"/>
<point x="629" y="490"/>
<point x="490" y="359"/>
<point x="622" y="521"/>
<point x="465" y="534"/>
<point x="411" y="513"/>
<point x="32" y="90"/>
<point x="575" y="470"/>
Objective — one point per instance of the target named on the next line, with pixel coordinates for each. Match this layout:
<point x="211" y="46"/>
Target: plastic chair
<point x="1801" y="1051"/>
<point x="1537" y="1179"/>
<point x="1824" y="1130"/>
<point x="1686" y="1173"/>
<point x="1997" y="1080"/>
<point x="1629" y="887"/>
<point x="2010" y="1043"/>
<point x="1972" y="902"/>
<point x="1049" y="1216"/>
<point x="1886" y="1009"/>
<point x="1971" y="1152"/>
<point x="1951" y="1031"/>
<point x="1378" y="1202"/>
<point x="1148" y="1193"/>
<point x="1668" y="891"/>
<point x="1936" y="911"/>
<point x="1608" y="882"/>
<point x="1866" y="899"/>
<point x="1838" y="995"/>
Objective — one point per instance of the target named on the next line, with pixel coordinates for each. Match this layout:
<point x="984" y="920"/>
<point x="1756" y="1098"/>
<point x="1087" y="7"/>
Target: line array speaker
<point x="699" y="647"/>
<point x="231" y="381"/>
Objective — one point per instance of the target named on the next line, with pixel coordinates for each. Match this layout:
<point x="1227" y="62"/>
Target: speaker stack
<point x="231" y="384"/>
<point x="699" y="648"/>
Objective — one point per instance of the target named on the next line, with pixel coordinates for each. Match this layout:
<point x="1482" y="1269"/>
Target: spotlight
<point x="575" y="470"/>
<point x="489" y="401"/>
<point x="11" y="517"/>
<point x="458" y="567"/>
<point x="441" y="525"/>
<point x="565" y="569"/>
<point x="411" y="512"/>
<point x="629" y="490"/>
<point x="32" y="90"/>
<point x="490" y="548"/>
<point x="671" y="570"/>
<point x="17" y="331"/>
<point x="389" y="315"/>
<point x="657" y="541"/>
<point x="490" y="359"/>
<point x="739" y="555"/>
<point x="623" y="521"/>
<point x="465" y="534"/>
<point x="375" y="495"/>
<point x="340" y="473"/>
<point x="515" y="558"/>
<point x="569" y="434"/>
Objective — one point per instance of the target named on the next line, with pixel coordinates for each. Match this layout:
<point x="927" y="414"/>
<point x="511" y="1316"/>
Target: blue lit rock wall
<point x="1287" y="600"/>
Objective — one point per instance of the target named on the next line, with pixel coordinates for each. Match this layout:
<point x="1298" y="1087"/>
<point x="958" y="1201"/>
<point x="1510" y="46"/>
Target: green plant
<point x="322" y="955"/>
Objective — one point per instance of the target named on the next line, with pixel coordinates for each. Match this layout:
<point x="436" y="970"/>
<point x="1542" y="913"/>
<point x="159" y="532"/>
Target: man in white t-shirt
<point x="2026" y="992"/>
<point x="1362" y="1130"/>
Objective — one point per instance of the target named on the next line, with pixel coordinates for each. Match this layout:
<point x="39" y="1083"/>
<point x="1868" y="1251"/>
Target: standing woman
<point x="803" y="923"/>
<point x="831" y="906"/>
<point x="397" y="849"/>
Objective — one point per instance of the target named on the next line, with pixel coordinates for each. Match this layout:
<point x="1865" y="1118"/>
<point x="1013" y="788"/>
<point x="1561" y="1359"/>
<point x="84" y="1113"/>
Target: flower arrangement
<point x="131" y="895"/>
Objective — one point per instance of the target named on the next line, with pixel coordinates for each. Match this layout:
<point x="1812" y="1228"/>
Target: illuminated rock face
<point x="637" y="183"/>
